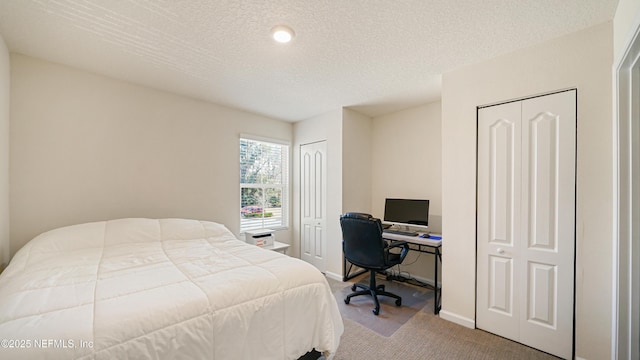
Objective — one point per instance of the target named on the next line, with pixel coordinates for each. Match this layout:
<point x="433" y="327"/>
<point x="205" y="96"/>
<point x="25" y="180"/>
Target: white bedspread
<point x="161" y="289"/>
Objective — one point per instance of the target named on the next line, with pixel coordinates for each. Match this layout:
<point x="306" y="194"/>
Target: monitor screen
<point x="407" y="211"/>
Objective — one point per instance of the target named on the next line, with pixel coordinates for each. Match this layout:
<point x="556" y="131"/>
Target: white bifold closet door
<point x="526" y="221"/>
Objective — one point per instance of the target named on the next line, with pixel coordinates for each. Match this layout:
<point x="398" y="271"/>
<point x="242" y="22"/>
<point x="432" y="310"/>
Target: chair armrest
<point x="399" y="244"/>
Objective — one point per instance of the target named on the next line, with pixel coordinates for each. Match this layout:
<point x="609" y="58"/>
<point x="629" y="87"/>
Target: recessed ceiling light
<point x="282" y="33"/>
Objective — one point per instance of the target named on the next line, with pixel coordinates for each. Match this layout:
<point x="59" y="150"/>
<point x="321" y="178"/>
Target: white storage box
<point x="264" y="237"/>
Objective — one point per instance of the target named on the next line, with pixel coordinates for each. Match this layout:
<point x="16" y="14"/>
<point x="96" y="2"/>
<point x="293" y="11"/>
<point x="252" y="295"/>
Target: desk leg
<point x="344" y="269"/>
<point x="438" y="292"/>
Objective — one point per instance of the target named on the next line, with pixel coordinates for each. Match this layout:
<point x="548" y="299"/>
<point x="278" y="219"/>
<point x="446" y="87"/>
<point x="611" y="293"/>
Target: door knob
<point x="500" y="251"/>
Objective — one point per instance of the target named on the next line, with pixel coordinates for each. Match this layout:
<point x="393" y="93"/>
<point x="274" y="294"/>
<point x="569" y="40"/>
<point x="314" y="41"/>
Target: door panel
<point x="319" y="245"/>
<point x="306" y="240"/>
<point x="543" y="180"/>
<point x="501" y="181"/>
<point x="319" y="183"/>
<point x="549" y="179"/>
<point x="498" y="218"/>
<point x="542" y="294"/>
<point x="306" y="184"/>
<point x="501" y="285"/>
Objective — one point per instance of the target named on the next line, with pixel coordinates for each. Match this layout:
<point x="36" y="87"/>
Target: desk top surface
<point x="413" y="239"/>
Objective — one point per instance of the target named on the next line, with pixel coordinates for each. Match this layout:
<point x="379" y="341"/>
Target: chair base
<point x="374" y="291"/>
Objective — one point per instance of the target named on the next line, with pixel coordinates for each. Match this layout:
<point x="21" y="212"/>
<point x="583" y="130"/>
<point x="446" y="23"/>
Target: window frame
<point x="284" y="185"/>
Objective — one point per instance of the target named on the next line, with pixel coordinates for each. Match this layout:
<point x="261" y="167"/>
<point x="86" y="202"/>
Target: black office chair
<point x="363" y="246"/>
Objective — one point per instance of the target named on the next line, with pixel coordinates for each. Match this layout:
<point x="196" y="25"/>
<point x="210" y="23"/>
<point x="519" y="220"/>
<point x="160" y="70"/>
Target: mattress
<point x="161" y="289"/>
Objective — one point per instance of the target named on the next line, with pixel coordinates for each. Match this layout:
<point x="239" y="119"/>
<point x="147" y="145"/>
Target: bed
<point x="161" y="289"/>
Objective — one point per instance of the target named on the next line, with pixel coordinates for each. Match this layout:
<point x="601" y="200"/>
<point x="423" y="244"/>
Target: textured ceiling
<point x="375" y="56"/>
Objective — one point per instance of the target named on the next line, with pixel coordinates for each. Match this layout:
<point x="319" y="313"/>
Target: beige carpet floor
<point x="422" y="336"/>
<point x="391" y="317"/>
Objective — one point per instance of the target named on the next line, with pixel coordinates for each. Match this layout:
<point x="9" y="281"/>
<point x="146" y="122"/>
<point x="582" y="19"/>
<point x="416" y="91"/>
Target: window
<point x="264" y="184"/>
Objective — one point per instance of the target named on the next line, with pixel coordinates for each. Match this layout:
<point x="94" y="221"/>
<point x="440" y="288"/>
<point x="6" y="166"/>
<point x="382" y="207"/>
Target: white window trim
<point x="265" y="139"/>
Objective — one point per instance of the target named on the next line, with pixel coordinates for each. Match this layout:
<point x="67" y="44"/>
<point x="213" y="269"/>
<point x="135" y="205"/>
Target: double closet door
<point x="526" y="221"/>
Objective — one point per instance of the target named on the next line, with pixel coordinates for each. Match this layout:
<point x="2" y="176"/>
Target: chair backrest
<point x="362" y="241"/>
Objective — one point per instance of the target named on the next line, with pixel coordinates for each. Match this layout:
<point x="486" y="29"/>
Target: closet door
<point x="313" y="200"/>
<point x="526" y="221"/>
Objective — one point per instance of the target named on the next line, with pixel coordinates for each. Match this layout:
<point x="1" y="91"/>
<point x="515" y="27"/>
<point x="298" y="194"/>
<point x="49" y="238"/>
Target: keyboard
<point x="399" y="232"/>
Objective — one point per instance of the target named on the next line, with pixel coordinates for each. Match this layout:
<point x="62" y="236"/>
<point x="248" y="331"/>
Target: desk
<point x="416" y="243"/>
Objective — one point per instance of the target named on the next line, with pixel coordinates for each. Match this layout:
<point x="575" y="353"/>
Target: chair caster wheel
<point x="398" y="302"/>
<point x="353" y="287"/>
<point x="347" y="300"/>
<point x="376" y="311"/>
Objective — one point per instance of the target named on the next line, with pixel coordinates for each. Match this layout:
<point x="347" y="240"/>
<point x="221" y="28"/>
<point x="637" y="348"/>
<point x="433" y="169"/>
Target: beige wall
<point x="356" y="162"/>
<point x="582" y="60"/>
<point x="4" y="153"/>
<point x="626" y="19"/>
<point x="85" y="147"/>
<point x="326" y="127"/>
<point x="407" y="163"/>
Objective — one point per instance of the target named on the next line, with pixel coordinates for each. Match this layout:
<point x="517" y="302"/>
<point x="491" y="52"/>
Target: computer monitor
<point x="408" y="212"/>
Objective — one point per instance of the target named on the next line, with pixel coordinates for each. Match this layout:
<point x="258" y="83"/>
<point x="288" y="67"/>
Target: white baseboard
<point x="460" y="320"/>
<point x="333" y="276"/>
